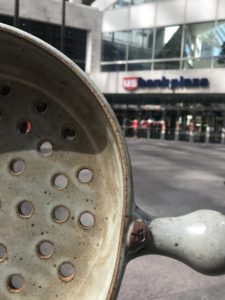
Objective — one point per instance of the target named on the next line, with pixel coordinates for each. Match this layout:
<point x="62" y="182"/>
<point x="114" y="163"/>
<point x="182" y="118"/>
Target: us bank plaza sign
<point x="134" y="83"/>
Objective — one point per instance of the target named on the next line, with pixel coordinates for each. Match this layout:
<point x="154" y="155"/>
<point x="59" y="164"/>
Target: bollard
<point x="207" y="136"/>
<point x="177" y="131"/>
<point x="222" y="136"/>
<point x="191" y="132"/>
<point x="163" y="130"/>
<point x="135" y="128"/>
<point x="148" y="132"/>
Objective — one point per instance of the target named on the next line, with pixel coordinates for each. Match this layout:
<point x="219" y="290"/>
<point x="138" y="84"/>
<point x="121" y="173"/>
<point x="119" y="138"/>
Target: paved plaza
<point x="171" y="179"/>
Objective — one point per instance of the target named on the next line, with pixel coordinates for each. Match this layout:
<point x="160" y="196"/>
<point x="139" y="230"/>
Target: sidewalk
<point x="173" y="178"/>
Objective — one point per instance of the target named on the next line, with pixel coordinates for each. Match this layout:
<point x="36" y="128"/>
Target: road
<point x="171" y="179"/>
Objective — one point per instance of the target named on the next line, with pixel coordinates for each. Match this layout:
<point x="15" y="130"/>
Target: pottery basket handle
<point x="197" y="239"/>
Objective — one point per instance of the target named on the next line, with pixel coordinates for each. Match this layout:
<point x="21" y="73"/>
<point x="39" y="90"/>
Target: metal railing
<point x="156" y="132"/>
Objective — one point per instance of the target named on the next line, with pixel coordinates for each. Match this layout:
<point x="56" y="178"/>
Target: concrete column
<point x="93" y="51"/>
<point x="207" y="134"/>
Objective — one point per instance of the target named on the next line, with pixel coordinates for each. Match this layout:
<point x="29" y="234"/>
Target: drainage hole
<point x="60" y="181"/>
<point x="45" y="249"/>
<point x="24" y="126"/>
<point x="25" y="209"/>
<point x="5" y="90"/>
<point x="87" y="220"/>
<point x="60" y="214"/>
<point x="66" y="271"/>
<point x="40" y="107"/>
<point x="15" y="283"/>
<point x="3" y="252"/>
<point x="17" y="166"/>
<point x="45" y="148"/>
<point x="85" y="175"/>
<point x="69" y="133"/>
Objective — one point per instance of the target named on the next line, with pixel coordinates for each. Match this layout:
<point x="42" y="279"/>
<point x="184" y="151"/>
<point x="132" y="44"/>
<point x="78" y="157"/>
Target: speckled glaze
<point x="196" y="239"/>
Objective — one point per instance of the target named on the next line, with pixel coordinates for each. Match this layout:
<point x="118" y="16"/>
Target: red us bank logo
<point x="130" y="83"/>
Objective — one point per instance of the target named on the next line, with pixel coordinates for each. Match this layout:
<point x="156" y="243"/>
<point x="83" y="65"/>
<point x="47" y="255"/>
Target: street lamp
<point x="62" y="41"/>
<point x="16" y="13"/>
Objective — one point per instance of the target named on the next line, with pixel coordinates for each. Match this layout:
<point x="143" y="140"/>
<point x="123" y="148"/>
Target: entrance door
<point x="216" y="126"/>
<point x="185" y="119"/>
<point x="200" y="127"/>
<point x="171" y="119"/>
<point x="156" y="124"/>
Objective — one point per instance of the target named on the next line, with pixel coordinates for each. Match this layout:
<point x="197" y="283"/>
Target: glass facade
<point x="199" y="40"/>
<point x="139" y="66"/>
<point x="113" y="67"/>
<point x="140" y="44"/>
<point x="219" y="45"/>
<point x="126" y="3"/>
<point x="185" y="117"/>
<point x="168" y="42"/>
<point x="189" y="46"/>
<point x="199" y="63"/>
<point x="167" y="65"/>
<point x="114" y="46"/>
<point x="75" y="39"/>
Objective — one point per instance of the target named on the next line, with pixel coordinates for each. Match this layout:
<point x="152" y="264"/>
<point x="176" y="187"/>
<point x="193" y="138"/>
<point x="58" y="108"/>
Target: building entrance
<point x="198" y="118"/>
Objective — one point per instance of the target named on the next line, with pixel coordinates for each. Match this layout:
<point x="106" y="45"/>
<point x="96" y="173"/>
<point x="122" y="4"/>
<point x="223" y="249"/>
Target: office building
<point x="164" y="61"/>
<point x="43" y="19"/>
<point x="158" y="62"/>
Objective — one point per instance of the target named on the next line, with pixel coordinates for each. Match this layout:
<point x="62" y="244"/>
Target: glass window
<point x="113" y="67"/>
<point x="6" y="20"/>
<point x="167" y="65"/>
<point x="75" y="39"/>
<point x="50" y="33"/>
<point x="125" y="3"/>
<point x="121" y="3"/>
<point x="140" y="44"/>
<point x="219" y="62"/>
<point x="199" y="63"/>
<point x="219" y="45"/>
<point x="135" y="2"/>
<point x="139" y="66"/>
<point x="114" y="45"/>
<point x="107" y="46"/>
<point x="168" y="42"/>
<point x="198" y="40"/>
